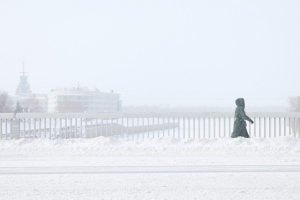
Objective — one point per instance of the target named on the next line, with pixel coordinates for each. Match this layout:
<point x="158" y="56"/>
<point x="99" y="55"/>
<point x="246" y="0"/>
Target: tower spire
<point x="23" y="87"/>
<point x="23" y="68"/>
<point x="23" y="72"/>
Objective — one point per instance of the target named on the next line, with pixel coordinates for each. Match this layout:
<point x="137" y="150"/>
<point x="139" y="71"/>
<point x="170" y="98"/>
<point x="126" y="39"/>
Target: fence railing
<point x="143" y="125"/>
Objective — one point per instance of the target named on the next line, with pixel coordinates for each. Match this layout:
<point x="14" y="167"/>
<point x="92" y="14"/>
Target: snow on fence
<point x="143" y="125"/>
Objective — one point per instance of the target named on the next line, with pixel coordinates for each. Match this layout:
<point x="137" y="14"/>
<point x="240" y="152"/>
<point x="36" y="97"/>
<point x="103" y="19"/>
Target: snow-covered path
<point x="149" y="169"/>
<point x="162" y="168"/>
<point x="214" y="186"/>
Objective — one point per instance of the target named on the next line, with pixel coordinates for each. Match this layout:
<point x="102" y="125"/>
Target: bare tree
<point x="31" y="104"/>
<point x="294" y="106"/>
<point x="6" y="104"/>
<point x="66" y="106"/>
<point x="294" y="103"/>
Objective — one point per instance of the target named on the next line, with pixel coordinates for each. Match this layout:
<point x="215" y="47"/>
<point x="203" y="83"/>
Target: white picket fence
<point x="137" y="126"/>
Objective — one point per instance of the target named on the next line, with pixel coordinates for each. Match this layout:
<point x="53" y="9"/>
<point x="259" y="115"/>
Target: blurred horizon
<point x="171" y="53"/>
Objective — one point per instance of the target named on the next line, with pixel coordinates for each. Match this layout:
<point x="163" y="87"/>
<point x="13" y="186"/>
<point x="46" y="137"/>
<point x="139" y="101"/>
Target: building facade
<point x="82" y="99"/>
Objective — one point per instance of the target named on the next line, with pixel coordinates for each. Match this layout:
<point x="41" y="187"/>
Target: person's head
<point x="240" y="102"/>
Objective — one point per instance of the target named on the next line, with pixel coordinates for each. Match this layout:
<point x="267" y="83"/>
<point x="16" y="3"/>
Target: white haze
<point x="176" y="53"/>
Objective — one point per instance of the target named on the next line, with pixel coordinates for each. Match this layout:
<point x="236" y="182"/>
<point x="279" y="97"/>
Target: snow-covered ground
<point x="161" y="168"/>
<point x="162" y="151"/>
<point x="216" y="186"/>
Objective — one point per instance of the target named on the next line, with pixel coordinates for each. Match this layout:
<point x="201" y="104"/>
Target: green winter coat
<point x="239" y="122"/>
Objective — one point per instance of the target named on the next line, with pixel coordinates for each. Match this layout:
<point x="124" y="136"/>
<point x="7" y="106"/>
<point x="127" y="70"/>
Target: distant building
<point x="29" y="101"/>
<point x="82" y="99"/>
<point x="79" y="99"/>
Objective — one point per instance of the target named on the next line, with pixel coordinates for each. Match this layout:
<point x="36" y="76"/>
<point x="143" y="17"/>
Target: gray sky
<point x="205" y="53"/>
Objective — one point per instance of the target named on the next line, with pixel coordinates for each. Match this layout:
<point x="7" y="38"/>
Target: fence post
<point x="148" y="127"/>
<point x="23" y="127"/>
<point x="122" y="127"/>
<point x="294" y="127"/>
<point x="275" y="127"/>
<point x="199" y="127"/>
<point x="224" y="121"/>
<point x="143" y="129"/>
<point x="194" y="124"/>
<point x="183" y="124"/>
<point x="169" y="127"/>
<point x="289" y="126"/>
<point x="6" y="129"/>
<point x="299" y="127"/>
<point x="76" y="126"/>
<point x="0" y="129"/>
<point x="229" y="127"/>
<point x="178" y="127"/>
<point x="214" y="120"/>
<point x="117" y="132"/>
<point x="284" y="124"/>
<point x="279" y="121"/>
<point x="55" y="128"/>
<point x="265" y="135"/>
<point x="29" y="126"/>
<point x="189" y="124"/>
<point x="137" y="127"/>
<point x="111" y="125"/>
<point x="50" y="129"/>
<point x="127" y="128"/>
<point x="269" y="127"/>
<point x="204" y="132"/>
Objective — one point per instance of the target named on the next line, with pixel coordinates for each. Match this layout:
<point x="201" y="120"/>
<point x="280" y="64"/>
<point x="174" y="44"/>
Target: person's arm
<point x="244" y="116"/>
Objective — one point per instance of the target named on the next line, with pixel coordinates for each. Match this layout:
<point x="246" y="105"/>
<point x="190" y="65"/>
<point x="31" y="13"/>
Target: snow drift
<point x="109" y="146"/>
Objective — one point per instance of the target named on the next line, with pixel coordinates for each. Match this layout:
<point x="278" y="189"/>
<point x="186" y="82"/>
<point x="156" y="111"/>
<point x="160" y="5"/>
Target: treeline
<point x="6" y="104"/>
<point x="30" y="104"/>
<point x="162" y="108"/>
<point x="198" y="109"/>
<point x="294" y="104"/>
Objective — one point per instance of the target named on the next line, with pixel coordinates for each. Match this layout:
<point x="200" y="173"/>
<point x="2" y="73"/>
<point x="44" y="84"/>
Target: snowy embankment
<point x="150" y="147"/>
<point x="150" y="152"/>
<point x="48" y="168"/>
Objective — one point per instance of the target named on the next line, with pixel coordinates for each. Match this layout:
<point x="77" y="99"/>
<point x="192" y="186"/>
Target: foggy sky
<point x="205" y="53"/>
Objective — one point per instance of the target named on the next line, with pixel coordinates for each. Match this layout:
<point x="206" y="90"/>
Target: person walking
<point x="240" y="116"/>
